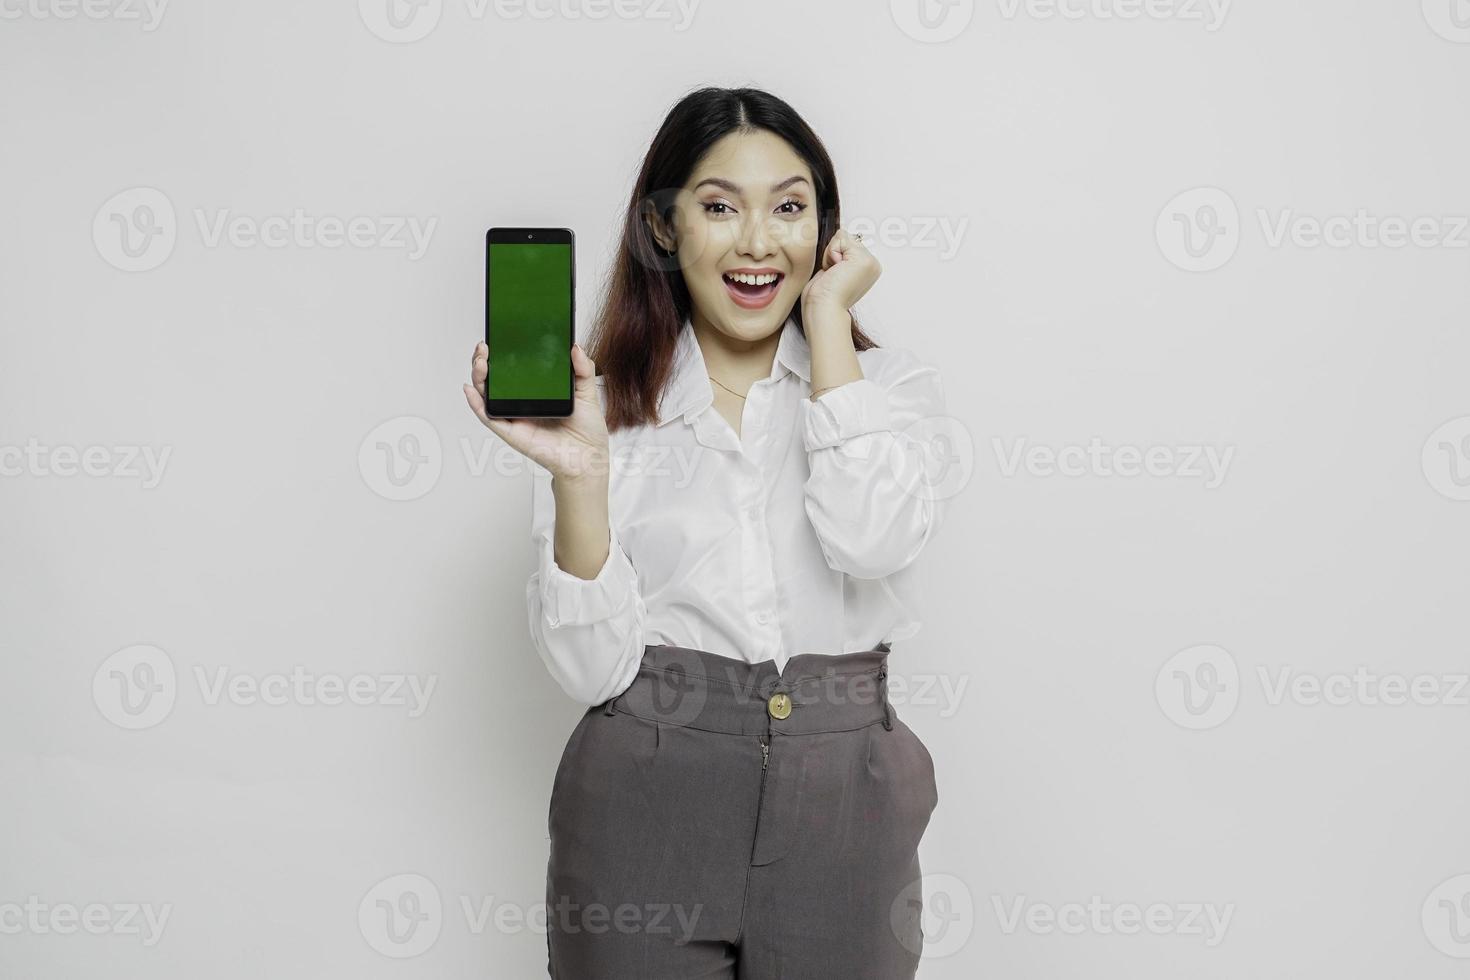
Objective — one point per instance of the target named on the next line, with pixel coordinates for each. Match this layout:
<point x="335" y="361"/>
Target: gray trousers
<point x="721" y="819"/>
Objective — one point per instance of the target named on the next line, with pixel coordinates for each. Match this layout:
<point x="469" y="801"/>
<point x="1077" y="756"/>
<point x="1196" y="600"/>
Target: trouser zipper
<point x="760" y="797"/>
<point x="760" y="800"/>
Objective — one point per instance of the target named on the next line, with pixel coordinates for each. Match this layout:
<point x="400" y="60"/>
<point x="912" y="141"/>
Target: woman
<point x="725" y="525"/>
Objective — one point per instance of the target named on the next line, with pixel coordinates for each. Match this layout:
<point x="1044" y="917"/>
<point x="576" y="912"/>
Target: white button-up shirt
<point x="796" y="536"/>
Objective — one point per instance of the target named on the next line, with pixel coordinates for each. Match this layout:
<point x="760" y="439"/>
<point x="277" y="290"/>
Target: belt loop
<point x="883" y="686"/>
<point x="612" y="702"/>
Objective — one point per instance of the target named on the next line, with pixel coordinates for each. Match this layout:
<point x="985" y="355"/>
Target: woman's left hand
<point x="848" y="271"/>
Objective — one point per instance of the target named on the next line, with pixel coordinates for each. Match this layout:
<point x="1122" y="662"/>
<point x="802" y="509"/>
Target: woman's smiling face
<point x="747" y="233"/>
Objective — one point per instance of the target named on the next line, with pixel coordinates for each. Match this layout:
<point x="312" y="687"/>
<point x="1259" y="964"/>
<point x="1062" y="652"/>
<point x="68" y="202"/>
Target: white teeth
<point x="750" y="280"/>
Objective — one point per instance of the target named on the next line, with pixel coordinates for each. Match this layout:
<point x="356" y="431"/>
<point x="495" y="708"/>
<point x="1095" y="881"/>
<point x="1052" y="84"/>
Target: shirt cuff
<point x="852" y="409"/>
<point x="567" y="600"/>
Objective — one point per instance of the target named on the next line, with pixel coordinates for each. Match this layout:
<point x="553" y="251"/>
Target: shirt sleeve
<point x="589" y="633"/>
<point x="866" y="496"/>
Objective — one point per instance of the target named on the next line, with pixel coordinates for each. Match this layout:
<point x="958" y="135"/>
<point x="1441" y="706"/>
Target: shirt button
<point x="762" y="618"/>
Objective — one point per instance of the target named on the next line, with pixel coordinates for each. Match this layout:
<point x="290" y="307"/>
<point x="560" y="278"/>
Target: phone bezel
<point x="531" y="408"/>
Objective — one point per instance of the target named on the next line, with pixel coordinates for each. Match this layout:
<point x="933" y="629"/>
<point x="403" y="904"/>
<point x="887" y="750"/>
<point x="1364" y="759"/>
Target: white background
<point x="1076" y="763"/>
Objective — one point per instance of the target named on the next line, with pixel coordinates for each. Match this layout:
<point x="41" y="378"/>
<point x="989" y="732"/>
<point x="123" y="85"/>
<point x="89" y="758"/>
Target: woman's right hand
<point x="571" y="448"/>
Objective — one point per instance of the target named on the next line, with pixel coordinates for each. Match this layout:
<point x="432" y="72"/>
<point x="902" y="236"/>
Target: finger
<point x="836" y="249"/>
<point x="826" y="262"/>
<point x="582" y="366"/>
<point x="477" y="405"/>
<point x="480" y="366"/>
<point x="504" y="428"/>
<point x="841" y="244"/>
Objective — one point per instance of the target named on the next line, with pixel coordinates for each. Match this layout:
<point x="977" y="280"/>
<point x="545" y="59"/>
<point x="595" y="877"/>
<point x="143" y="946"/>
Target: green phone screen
<point x="530" y="306"/>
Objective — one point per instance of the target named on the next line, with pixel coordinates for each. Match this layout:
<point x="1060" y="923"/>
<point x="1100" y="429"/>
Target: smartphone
<point x="530" y="321"/>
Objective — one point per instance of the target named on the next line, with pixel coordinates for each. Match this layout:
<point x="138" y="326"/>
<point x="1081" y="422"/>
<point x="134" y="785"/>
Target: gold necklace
<point x="727" y="388"/>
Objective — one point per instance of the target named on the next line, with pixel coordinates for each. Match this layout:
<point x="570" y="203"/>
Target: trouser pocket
<point x="916" y="762"/>
<point x="569" y="753"/>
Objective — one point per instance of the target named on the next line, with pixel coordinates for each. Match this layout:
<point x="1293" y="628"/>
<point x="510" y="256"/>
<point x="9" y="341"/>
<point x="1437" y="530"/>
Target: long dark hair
<point x="646" y="301"/>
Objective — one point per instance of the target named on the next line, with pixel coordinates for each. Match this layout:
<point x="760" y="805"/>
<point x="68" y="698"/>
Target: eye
<point x="800" y="207"/>
<point x="710" y="206"/>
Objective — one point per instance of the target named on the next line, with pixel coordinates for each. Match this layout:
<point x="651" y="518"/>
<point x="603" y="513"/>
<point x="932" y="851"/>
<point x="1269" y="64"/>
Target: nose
<point x="756" y="240"/>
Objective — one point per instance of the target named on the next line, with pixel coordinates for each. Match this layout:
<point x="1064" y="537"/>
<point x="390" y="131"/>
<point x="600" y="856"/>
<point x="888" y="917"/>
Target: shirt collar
<point x="688" y="392"/>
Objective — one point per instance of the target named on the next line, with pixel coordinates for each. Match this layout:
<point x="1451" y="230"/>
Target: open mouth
<point x="753" y="292"/>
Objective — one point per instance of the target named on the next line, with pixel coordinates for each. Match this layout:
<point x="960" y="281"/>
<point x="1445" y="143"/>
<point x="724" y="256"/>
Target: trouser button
<point x="779" y="706"/>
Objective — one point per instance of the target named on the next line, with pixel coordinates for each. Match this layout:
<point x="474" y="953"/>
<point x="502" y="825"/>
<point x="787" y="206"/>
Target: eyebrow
<point x="735" y="189"/>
